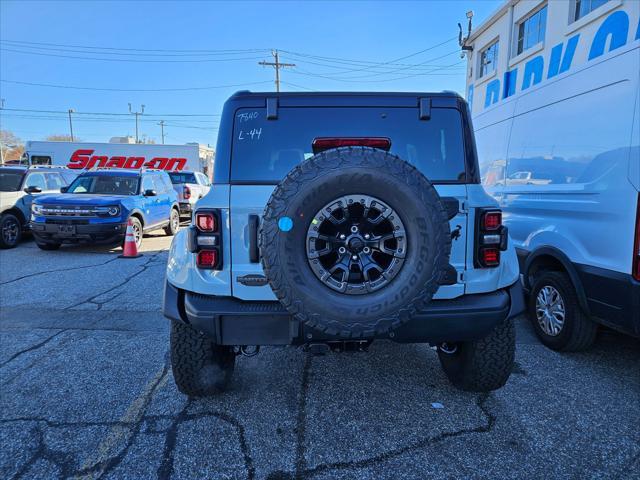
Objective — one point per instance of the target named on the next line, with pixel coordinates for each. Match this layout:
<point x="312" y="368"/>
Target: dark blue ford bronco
<point x="98" y="204"/>
<point x="336" y="219"/>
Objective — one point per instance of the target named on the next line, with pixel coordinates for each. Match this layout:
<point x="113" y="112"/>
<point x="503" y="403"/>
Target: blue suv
<point x="97" y="205"/>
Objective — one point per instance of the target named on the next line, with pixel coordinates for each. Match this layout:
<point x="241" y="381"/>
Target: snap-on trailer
<point x="84" y="156"/>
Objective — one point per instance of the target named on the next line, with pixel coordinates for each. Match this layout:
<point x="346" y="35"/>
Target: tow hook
<point x="449" y="348"/>
<point x="249" y="350"/>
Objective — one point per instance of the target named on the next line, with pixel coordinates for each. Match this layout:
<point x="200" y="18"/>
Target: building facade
<point x="527" y="42"/>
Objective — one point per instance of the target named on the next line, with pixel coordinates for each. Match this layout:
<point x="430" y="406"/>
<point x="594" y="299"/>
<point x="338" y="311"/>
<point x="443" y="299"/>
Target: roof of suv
<point x="248" y="93"/>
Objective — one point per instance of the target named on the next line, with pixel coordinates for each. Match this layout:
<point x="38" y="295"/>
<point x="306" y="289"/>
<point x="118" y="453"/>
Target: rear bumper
<point x="229" y="321"/>
<point x="106" y="233"/>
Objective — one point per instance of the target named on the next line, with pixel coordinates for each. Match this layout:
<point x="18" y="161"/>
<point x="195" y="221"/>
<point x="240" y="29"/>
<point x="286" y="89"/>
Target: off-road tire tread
<point x="583" y="330"/>
<point x="321" y="165"/>
<point x="487" y="362"/>
<point x="191" y="351"/>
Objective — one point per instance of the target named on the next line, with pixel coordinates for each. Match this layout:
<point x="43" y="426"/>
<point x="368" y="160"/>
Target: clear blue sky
<point x="364" y="43"/>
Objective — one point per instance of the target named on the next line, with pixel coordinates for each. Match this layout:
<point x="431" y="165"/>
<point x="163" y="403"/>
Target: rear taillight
<point x="186" y="192"/>
<point x="635" y="268"/>
<point x="207" y="258"/>
<point x="325" y="143"/>
<point x="491" y="238"/>
<point x="207" y="239"/>
<point x="206" y="221"/>
<point x="492" y="220"/>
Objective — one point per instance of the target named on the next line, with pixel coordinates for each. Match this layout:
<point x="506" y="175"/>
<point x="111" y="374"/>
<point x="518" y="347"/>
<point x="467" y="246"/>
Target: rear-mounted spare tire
<point x="354" y="241"/>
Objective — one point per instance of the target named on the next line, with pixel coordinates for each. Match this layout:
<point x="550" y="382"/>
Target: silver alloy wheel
<point x="356" y="244"/>
<point x="550" y="310"/>
<point x="10" y="229"/>
<point x="137" y="234"/>
<point x="175" y="220"/>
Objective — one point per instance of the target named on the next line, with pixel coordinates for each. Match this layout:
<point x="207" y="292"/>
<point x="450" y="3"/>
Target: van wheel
<point x="556" y="315"/>
<point x="174" y="223"/>
<point x="10" y="231"/>
<point x="200" y="367"/>
<point x="481" y="365"/>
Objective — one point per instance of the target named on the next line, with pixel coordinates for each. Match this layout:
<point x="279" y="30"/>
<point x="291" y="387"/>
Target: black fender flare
<point x="138" y="212"/>
<point x="566" y="264"/>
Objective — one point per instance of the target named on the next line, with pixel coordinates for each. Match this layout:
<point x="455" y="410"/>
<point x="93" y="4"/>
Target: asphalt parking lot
<point x="86" y="392"/>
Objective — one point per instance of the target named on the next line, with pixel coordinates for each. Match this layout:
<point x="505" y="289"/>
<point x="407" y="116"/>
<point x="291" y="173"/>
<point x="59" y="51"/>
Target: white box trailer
<point x="84" y="156"/>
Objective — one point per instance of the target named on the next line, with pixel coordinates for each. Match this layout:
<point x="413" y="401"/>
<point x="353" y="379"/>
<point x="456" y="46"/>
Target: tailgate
<point x="248" y="200"/>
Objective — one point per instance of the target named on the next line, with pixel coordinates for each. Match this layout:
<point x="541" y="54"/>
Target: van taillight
<point x="206" y="239"/>
<point x="325" y="143"/>
<point x="186" y="192"/>
<point x="491" y="238"/>
<point x="635" y="267"/>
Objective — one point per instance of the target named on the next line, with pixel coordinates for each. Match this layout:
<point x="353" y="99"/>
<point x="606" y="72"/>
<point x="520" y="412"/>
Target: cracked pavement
<point x="86" y="391"/>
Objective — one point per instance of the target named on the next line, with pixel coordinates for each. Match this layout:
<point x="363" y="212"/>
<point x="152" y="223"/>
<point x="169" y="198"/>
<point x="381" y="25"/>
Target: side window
<point x="54" y="181"/>
<point x="531" y="30"/>
<point x="159" y="184"/>
<point x="488" y="59"/>
<point x="36" y="179"/>
<point x="204" y="179"/>
<point x="583" y="7"/>
<point x="147" y="184"/>
<point x="167" y="182"/>
<point x="40" y="160"/>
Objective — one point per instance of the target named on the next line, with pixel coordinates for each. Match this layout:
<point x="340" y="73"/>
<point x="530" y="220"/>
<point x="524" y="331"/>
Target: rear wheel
<point x="10" y="231"/>
<point x="556" y="315"/>
<point x="481" y="365"/>
<point x="200" y="367"/>
<point x="174" y="223"/>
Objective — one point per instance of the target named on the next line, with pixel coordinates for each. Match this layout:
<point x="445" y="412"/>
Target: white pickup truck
<point x="191" y="187"/>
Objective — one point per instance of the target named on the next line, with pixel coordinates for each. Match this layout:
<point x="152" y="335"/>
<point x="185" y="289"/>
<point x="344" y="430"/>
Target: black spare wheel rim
<point x="354" y="241"/>
<point x="356" y="244"/>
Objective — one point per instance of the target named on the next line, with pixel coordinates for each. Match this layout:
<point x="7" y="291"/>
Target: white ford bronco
<point x="336" y="219"/>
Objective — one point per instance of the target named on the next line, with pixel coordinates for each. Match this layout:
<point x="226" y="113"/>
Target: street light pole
<point x="136" y="114"/>
<point x="70" y="123"/>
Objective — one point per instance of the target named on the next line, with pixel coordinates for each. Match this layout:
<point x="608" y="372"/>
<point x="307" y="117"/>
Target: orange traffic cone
<point x="130" y="249"/>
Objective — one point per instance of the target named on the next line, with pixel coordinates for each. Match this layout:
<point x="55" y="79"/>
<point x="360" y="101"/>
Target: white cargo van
<point x="559" y="148"/>
<point x="82" y="156"/>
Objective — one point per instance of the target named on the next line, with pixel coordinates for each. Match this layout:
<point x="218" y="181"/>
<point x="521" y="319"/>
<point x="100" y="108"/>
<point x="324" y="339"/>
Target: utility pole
<point x="70" y="123"/>
<point x="277" y="65"/>
<point x="1" y="153"/>
<point x="136" y="114"/>
<point x="162" y="130"/>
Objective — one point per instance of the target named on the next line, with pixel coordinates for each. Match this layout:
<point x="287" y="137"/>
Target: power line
<point x="118" y="114"/>
<point x="251" y="50"/>
<point x="54" y="48"/>
<point x="73" y="87"/>
<point x="205" y="60"/>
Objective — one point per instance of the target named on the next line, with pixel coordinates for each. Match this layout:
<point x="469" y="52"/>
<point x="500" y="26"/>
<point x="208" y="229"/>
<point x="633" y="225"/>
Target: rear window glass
<point x="265" y="150"/>
<point x="182" y="177"/>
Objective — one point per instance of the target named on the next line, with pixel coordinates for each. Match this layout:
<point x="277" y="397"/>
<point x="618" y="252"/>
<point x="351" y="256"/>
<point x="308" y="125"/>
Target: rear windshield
<point x="10" y="180"/>
<point x="182" y="177"/>
<point x="265" y="150"/>
<point x="104" y="185"/>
